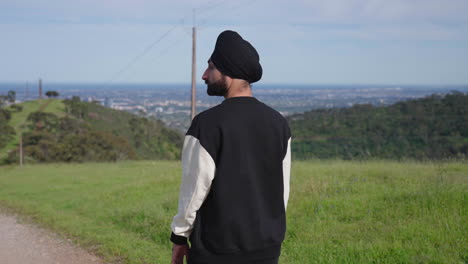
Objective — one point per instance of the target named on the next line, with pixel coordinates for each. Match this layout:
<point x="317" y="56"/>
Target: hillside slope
<point x="19" y="116"/>
<point x="71" y="130"/>
<point x="435" y="127"/>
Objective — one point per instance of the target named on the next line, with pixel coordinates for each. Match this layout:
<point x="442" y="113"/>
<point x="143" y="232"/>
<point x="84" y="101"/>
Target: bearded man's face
<point x="215" y="81"/>
<point x="217" y="88"/>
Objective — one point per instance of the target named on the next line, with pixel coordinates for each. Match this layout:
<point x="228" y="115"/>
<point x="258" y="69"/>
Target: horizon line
<point x="254" y="84"/>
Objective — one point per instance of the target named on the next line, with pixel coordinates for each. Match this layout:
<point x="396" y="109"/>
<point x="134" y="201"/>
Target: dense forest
<point x="434" y="127"/>
<point x="90" y="132"/>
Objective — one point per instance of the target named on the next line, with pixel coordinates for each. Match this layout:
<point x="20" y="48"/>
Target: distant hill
<point x="434" y="127"/>
<point x="75" y="131"/>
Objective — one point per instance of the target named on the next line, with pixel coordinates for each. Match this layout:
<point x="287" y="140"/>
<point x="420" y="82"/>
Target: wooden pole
<point x="21" y="150"/>
<point x="194" y="70"/>
<point x="27" y="91"/>
<point x="40" y="88"/>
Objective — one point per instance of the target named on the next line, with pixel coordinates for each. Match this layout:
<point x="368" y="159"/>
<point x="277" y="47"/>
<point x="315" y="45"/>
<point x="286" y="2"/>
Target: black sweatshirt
<point x="236" y="163"/>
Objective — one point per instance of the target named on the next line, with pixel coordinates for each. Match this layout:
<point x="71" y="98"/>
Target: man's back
<point x="236" y="163"/>
<point x="243" y="215"/>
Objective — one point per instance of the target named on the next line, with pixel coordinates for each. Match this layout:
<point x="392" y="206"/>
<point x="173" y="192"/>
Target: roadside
<point x="28" y="244"/>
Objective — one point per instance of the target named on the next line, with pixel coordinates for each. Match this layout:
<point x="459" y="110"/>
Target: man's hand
<point x="178" y="253"/>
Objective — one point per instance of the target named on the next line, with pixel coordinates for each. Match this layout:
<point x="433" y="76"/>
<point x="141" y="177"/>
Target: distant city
<point x="171" y="102"/>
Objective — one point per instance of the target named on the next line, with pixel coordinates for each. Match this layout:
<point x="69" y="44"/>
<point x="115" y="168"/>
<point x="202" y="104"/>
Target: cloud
<point x="384" y="32"/>
<point x="384" y="10"/>
<point x="98" y="11"/>
<point x="241" y="11"/>
<point x="95" y="38"/>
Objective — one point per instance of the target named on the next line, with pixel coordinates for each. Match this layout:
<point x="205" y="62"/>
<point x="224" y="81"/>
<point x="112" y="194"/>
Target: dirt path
<point x="43" y="106"/>
<point x="27" y="244"/>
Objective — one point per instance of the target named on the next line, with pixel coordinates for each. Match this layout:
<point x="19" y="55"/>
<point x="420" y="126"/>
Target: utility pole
<point x="194" y="61"/>
<point x="21" y="149"/>
<point x="40" y="88"/>
<point x="27" y="92"/>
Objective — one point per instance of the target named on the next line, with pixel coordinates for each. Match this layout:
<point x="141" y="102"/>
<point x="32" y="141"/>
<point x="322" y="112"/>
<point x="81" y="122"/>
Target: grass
<point x="339" y="212"/>
<point x="18" y="119"/>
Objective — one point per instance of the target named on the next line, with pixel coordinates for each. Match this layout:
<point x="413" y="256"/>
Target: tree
<point x="17" y="108"/>
<point x="43" y="121"/>
<point x="52" y="94"/>
<point x="11" y="96"/>
<point x="6" y="134"/>
<point x="3" y="99"/>
<point x="6" y="131"/>
<point x="75" y="107"/>
<point x="5" y="116"/>
<point x="434" y="127"/>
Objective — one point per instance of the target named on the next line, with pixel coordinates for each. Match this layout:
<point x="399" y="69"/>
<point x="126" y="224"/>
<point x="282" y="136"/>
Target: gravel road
<point x="22" y="243"/>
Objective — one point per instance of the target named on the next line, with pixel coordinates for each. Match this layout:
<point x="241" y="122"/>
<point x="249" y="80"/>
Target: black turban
<point x="235" y="57"/>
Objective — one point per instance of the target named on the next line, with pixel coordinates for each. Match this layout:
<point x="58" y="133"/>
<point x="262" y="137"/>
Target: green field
<point x="339" y="212"/>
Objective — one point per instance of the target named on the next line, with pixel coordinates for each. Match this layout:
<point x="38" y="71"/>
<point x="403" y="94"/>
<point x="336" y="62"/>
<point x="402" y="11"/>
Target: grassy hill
<point x="339" y="211"/>
<point x="151" y="138"/>
<point x="71" y="130"/>
<point x="18" y="118"/>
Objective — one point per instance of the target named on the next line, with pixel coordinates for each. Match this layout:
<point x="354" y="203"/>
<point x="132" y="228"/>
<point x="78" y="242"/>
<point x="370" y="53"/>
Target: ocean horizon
<point x="23" y="86"/>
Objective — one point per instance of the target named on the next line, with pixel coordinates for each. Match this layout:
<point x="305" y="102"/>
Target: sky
<point x="397" y="42"/>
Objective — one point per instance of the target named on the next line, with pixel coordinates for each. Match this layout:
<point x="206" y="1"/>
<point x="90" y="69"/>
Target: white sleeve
<point x="198" y="170"/>
<point x="287" y="173"/>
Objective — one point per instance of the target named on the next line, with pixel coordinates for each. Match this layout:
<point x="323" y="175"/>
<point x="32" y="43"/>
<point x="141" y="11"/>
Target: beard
<point x="218" y="88"/>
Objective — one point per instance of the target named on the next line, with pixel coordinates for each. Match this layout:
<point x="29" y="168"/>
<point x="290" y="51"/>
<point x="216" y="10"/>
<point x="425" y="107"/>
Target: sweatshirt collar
<point x="240" y="99"/>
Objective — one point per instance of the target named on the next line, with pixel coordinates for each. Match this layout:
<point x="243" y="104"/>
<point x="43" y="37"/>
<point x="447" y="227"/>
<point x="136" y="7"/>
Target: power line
<point x="200" y="10"/>
<point x="177" y="42"/>
<point x="233" y="8"/>
<point x="149" y="48"/>
<point x="211" y="5"/>
<point x="145" y="51"/>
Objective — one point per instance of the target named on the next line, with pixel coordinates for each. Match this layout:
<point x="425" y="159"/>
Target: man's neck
<point x="238" y="89"/>
<point x="249" y="94"/>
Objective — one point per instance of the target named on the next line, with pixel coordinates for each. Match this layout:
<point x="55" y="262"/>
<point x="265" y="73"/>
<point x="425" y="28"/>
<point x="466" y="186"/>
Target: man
<point x="236" y="167"/>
